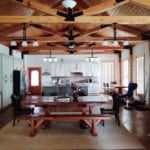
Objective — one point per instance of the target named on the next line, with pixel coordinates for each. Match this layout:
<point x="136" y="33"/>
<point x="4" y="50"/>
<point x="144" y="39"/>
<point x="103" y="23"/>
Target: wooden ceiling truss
<point x="95" y="16"/>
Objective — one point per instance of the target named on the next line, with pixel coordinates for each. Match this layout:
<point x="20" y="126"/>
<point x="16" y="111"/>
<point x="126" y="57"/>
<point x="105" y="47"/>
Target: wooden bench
<point x="91" y="120"/>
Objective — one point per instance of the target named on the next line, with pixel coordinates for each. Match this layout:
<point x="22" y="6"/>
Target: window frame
<point x="103" y="72"/>
<point x="122" y="71"/>
<point x="140" y="94"/>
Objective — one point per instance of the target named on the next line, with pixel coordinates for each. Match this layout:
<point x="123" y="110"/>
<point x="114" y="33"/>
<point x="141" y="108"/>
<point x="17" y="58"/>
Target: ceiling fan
<point x="71" y="46"/>
<point x="69" y="5"/>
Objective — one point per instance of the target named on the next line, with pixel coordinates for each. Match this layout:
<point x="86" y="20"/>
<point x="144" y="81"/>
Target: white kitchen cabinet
<point x="76" y="67"/>
<point x="90" y="69"/>
<point x="6" y="79"/>
<point x="60" y="69"/>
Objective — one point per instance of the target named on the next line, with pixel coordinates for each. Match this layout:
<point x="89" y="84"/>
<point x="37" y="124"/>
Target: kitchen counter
<point x="64" y="90"/>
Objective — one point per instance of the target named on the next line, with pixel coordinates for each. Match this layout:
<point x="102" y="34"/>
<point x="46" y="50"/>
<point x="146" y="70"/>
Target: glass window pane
<point x="108" y="69"/>
<point x="125" y="72"/>
<point x="140" y="74"/>
<point x="34" y="78"/>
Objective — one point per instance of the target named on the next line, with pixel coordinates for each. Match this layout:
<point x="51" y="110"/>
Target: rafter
<point x="57" y="39"/>
<point x="32" y="48"/>
<point x="130" y="30"/>
<point x="145" y="3"/>
<point x="103" y="7"/>
<point x="46" y="29"/>
<point x="37" y="6"/>
<point x="11" y="30"/>
<point x="82" y="4"/>
<point x="82" y="19"/>
<point x="91" y="31"/>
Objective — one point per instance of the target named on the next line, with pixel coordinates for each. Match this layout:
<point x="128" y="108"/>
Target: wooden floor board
<point x="137" y="122"/>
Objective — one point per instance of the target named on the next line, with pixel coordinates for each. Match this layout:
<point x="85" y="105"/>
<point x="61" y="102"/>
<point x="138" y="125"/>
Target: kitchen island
<point x="64" y="90"/>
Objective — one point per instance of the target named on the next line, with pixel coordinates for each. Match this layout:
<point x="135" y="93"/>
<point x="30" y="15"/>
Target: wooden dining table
<point x="51" y="105"/>
<point x="120" y="88"/>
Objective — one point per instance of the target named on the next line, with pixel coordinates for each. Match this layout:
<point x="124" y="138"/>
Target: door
<point x="34" y="81"/>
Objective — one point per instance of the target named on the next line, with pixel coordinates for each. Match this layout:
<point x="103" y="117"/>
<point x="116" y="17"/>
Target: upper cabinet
<point x="66" y="69"/>
<point x="90" y="69"/>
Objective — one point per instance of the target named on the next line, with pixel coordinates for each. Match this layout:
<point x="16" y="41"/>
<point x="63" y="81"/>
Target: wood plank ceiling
<point x="87" y="31"/>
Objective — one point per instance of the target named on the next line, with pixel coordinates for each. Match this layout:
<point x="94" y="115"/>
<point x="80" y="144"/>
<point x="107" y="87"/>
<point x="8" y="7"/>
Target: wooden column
<point x="149" y="76"/>
<point x="120" y="68"/>
<point x="119" y="61"/>
<point x="131" y="64"/>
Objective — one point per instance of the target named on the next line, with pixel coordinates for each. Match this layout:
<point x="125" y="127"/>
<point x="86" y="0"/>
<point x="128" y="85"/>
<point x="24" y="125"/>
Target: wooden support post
<point x="131" y="64"/>
<point x="33" y="131"/>
<point x="94" y="133"/>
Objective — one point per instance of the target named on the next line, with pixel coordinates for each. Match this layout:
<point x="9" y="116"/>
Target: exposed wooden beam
<point x="81" y="4"/>
<point x="56" y="3"/>
<point x="32" y="48"/>
<point x="130" y="30"/>
<point x="37" y="6"/>
<point x="105" y="48"/>
<point x="93" y="10"/>
<point x="82" y="19"/>
<point x="145" y="3"/>
<point x="91" y="31"/>
<point x="46" y="29"/>
<point x="63" y="48"/>
<point x="11" y="29"/>
<point x="100" y="39"/>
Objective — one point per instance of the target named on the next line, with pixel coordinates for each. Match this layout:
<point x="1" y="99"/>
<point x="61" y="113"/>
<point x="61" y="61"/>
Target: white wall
<point x="142" y="48"/>
<point x="37" y="61"/>
<point x="4" y="50"/>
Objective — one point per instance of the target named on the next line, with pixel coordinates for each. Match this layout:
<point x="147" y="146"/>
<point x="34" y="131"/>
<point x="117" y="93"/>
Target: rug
<point x="67" y="136"/>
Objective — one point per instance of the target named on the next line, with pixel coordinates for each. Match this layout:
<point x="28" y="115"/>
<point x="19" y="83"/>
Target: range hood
<point x="77" y="73"/>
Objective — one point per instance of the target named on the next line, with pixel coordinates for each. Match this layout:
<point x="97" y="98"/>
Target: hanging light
<point x="125" y="43"/>
<point x="105" y="43"/>
<point x="24" y="43"/>
<point x="50" y="58"/>
<point x="35" y="43"/>
<point x="24" y="40"/>
<point x="13" y="43"/>
<point x="92" y="58"/>
<point x="115" y="41"/>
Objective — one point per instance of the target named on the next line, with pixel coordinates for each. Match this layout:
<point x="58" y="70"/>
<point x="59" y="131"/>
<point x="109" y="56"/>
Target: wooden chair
<point x="114" y="110"/>
<point x="18" y="109"/>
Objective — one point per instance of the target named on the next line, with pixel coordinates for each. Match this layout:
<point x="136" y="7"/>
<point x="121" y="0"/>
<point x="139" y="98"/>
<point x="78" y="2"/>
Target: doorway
<point x="34" y="81"/>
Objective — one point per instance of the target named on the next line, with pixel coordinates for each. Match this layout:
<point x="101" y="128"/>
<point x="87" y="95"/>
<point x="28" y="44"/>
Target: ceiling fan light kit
<point x="69" y="4"/>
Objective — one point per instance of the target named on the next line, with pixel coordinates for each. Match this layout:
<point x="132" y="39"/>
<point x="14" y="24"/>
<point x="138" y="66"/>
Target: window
<point x="108" y="71"/>
<point x="34" y="78"/>
<point x="125" y="72"/>
<point x="140" y="74"/>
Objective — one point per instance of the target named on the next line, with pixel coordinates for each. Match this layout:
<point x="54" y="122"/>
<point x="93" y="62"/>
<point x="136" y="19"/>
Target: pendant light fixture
<point x="50" y="58"/>
<point x="92" y="58"/>
<point x="115" y="40"/>
<point x="25" y="41"/>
